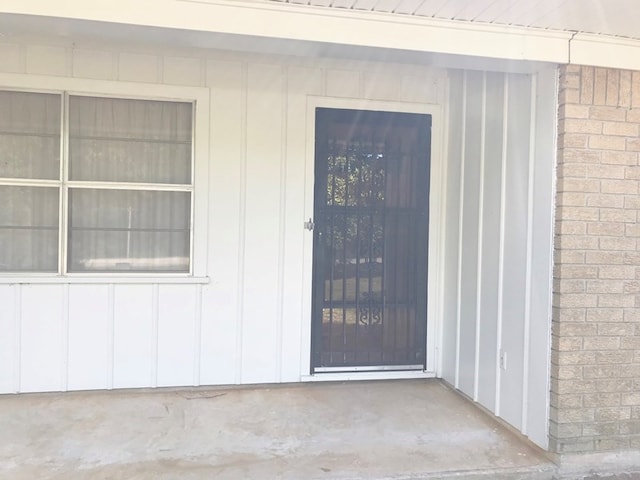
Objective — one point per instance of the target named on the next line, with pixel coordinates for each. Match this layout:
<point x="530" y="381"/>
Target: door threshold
<point x="349" y="376"/>
<point x="370" y="368"/>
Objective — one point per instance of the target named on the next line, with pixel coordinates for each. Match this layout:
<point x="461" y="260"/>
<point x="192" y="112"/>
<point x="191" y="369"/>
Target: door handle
<point x="309" y="225"/>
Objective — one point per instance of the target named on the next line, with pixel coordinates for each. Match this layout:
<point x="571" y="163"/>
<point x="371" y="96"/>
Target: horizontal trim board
<point x="119" y="89"/>
<point x="106" y="279"/>
<point x="599" y="51"/>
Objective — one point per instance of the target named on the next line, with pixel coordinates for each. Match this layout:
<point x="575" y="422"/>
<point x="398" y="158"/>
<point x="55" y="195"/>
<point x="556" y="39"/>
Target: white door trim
<point x="436" y="230"/>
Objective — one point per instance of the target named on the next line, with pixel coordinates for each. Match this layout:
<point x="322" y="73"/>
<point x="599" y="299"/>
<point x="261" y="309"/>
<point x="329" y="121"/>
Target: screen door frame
<point x="436" y="231"/>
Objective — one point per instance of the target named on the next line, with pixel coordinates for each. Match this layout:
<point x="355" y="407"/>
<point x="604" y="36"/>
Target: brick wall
<point x="595" y="377"/>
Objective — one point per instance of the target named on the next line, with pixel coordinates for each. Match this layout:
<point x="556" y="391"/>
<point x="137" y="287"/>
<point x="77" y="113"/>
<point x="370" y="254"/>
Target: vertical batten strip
<point x="64" y="374"/>
<point x="503" y="188"/>
<point x="306" y="309"/>
<point x="434" y="284"/>
<point x="529" y="258"/>
<point x="460" y="224"/>
<point x="282" y="226"/>
<point x="155" y="298"/>
<point x="17" y="360"/>
<point x="110" y="333"/>
<point x="242" y="224"/>
<point x="483" y="132"/>
<point x="197" y="336"/>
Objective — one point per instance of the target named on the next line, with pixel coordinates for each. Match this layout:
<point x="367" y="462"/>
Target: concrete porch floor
<point x="414" y="429"/>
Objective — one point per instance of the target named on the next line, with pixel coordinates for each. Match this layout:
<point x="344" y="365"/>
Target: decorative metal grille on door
<point x="370" y="240"/>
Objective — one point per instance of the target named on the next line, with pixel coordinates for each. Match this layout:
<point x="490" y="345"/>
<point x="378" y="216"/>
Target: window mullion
<point x="26" y="182"/>
<point x="193" y="182"/>
<point x="163" y="187"/>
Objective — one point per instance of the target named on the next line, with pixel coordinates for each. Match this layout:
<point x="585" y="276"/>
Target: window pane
<point x="128" y="230"/>
<point x="28" y="229"/>
<point x="29" y="135"/>
<point x="120" y="140"/>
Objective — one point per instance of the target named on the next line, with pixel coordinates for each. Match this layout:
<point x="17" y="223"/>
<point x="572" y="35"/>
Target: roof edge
<point x="604" y="51"/>
<point x="317" y="24"/>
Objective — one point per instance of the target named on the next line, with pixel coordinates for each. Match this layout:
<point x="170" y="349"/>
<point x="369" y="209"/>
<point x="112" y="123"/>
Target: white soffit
<point x="606" y="17"/>
<point x="604" y="32"/>
<point x="594" y="32"/>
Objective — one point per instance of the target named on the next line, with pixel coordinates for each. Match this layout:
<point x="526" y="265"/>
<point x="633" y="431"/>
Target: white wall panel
<point x="343" y="83"/>
<point x="421" y="86"/>
<point x="134" y="339"/>
<point x="94" y="64"/>
<point x="249" y="320"/>
<point x="177" y="343"/>
<point x="470" y="223"/>
<point x="89" y="338"/>
<point x="9" y="331"/>
<point x="182" y="71"/>
<point x="249" y="324"/>
<point x="42" y="345"/>
<point x="515" y="248"/>
<point x="379" y="85"/>
<point x="48" y="60"/>
<point x="506" y="191"/>
<point x="449" y="350"/>
<point x="301" y="81"/>
<point x="13" y="60"/>
<point x="135" y="67"/>
<point x="221" y="331"/>
<point x="262" y="223"/>
<point x="490" y="254"/>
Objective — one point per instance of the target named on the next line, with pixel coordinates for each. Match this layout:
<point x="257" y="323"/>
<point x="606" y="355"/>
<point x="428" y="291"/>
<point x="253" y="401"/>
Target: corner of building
<point x="595" y="357"/>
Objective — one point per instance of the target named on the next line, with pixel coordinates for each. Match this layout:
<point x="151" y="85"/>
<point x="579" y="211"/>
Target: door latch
<point x="309" y="225"/>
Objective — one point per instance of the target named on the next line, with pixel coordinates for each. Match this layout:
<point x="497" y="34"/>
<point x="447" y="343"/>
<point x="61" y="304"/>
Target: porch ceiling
<point x="605" y="17"/>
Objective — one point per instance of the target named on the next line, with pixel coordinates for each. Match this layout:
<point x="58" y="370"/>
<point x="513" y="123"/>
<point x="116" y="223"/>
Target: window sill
<point x="103" y="279"/>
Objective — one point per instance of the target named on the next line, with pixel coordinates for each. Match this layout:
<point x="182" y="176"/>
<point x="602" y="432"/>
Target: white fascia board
<point x="603" y="51"/>
<point x="302" y="22"/>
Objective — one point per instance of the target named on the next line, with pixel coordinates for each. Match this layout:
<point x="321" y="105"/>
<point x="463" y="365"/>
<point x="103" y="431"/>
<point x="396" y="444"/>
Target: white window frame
<point x="66" y="87"/>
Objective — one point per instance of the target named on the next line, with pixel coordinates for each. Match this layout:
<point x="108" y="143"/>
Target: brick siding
<point x="595" y="372"/>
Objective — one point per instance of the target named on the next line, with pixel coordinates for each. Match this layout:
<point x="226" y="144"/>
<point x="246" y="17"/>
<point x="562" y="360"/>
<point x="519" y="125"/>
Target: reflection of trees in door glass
<point x="356" y="178"/>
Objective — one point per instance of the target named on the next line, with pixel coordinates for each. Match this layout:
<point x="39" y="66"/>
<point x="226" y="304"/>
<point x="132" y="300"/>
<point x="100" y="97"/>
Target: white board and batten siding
<point x="241" y="318"/>
<point x="59" y="337"/>
<point x="499" y="236"/>
<point x="244" y="317"/>
<point x="260" y="191"/>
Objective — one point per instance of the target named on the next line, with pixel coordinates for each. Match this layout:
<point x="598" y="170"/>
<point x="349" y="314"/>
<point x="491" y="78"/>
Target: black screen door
<point x="370" y="240"/>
